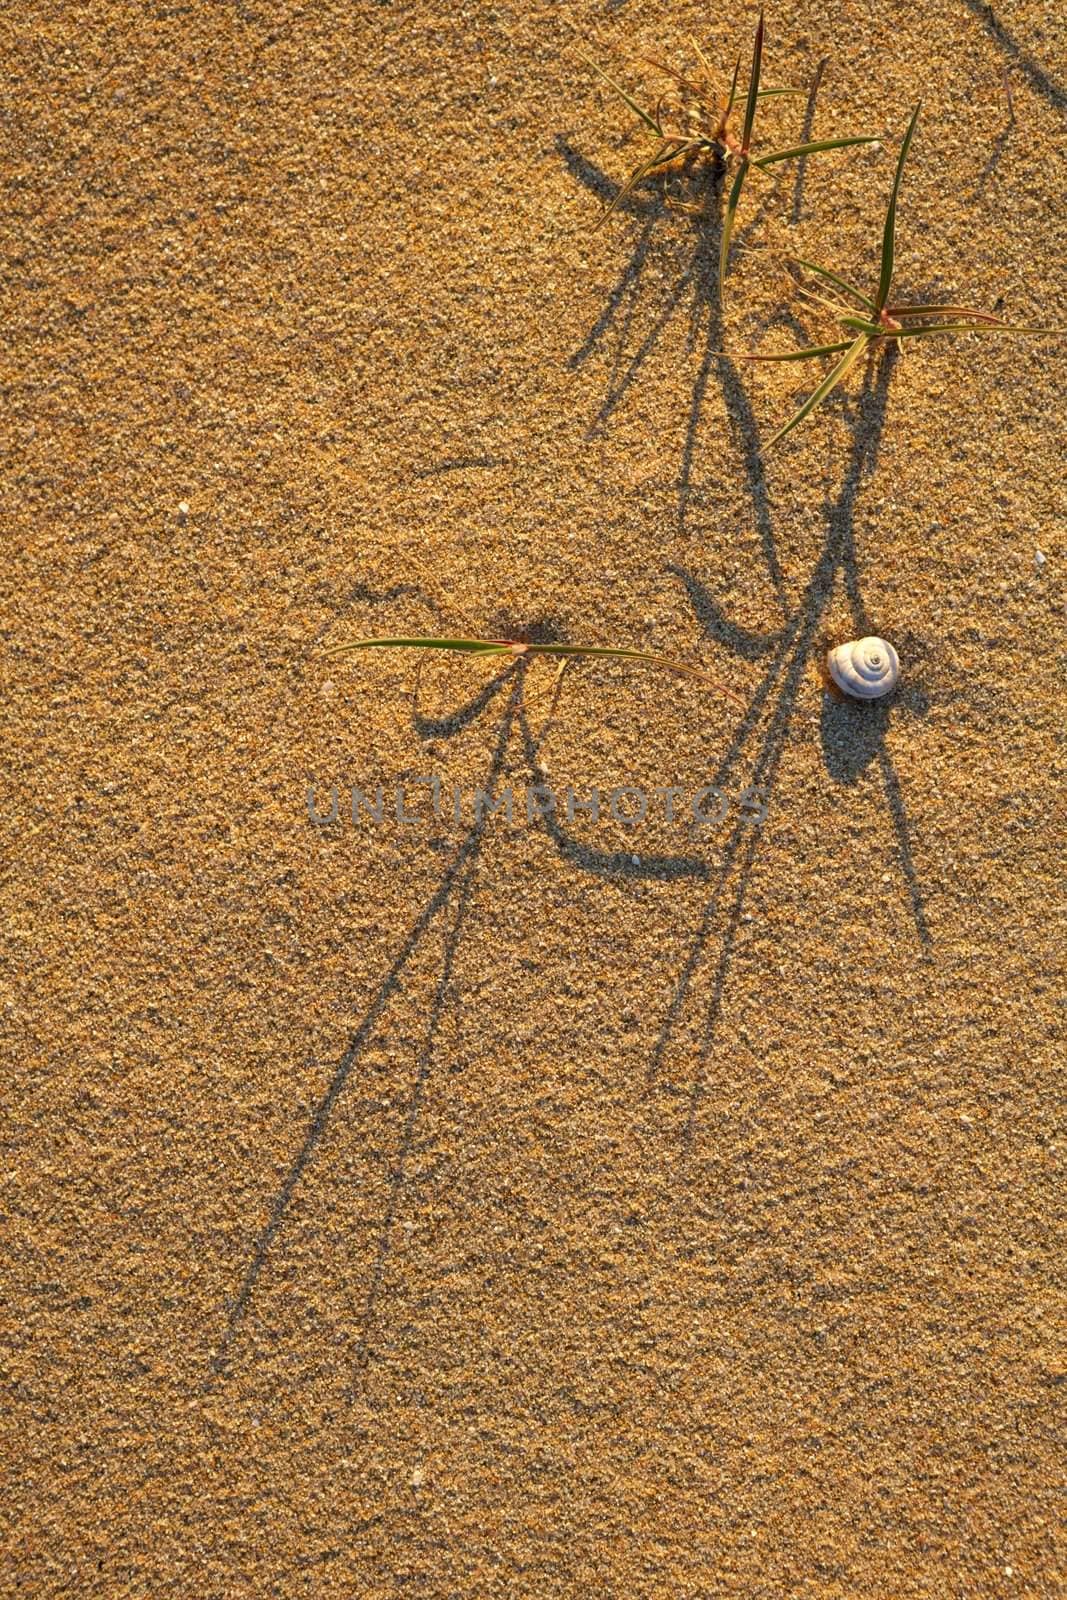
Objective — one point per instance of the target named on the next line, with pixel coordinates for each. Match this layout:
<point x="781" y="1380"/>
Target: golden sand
<point x="418" y="1211"/>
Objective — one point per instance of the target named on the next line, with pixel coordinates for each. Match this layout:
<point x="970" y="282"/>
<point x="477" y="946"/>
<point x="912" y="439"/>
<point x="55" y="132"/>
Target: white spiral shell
<point x="864" y="668"/>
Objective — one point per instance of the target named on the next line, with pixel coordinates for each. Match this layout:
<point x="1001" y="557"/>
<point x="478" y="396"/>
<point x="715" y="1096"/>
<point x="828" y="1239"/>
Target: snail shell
<point x="864" y="668"/>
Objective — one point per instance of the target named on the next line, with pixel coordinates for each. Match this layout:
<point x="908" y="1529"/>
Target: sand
<point x="582" y="1210"/>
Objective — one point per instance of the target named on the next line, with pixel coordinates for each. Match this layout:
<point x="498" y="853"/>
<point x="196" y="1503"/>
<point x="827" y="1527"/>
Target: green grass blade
<point x="800" y="355"/>
<point x="753" y="85"/>
<point x="518" y="648"/>
<point x="663" y="153"/>
<point x="874" y="330"/>
<point x="832" y="277"/>
<point x="889" y="234"/>
<point x="728" y="221"/>
<point x="831" y="381"/>
<point x="974" y="327"/>
<point x="942" y="311"/>
<point x="649" y="122"/>
<point x="766" y="176"/>
<point x="471" y="646"/>
<point x="796" y="150"/>
<point x="611" y="652"/>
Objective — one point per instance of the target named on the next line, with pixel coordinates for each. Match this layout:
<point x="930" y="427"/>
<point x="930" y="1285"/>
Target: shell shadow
<point x="851" y="735"/>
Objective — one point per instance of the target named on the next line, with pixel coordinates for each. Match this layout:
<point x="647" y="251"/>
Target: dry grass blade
<point x="704" y="62"/>
<point x="611" y="652"/>
<point x="687" y="84"/>
<point x="812" y="297"/>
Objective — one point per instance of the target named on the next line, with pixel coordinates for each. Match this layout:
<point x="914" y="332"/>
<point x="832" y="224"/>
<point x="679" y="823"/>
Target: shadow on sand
<point x="451" y="896"/>
<point x="1022" y="59"/>
<point x="697" y="286"/>
<point x="853" y="736"/>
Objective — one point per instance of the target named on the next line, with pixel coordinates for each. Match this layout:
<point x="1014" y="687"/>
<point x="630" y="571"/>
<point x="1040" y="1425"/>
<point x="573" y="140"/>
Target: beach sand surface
<point x="581" y="1209"/>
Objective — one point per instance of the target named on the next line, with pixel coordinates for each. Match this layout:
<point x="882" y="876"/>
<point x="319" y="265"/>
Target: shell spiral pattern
<point x="864" y="668"/>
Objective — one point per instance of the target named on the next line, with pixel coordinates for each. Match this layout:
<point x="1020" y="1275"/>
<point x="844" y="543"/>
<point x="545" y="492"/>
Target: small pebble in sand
<point x="1039" y="559"/>
<point x="417" y="1478"/>
<point x="183" y="508"/>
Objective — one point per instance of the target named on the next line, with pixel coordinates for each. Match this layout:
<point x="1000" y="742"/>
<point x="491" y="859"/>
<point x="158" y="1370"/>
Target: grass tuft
<point x="887" y="322"/>
<point x="696" y="123"/>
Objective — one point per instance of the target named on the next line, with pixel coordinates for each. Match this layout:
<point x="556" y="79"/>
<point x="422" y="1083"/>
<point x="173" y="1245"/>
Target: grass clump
<point x="693" y="121"/>
<point x="879" y="321"/>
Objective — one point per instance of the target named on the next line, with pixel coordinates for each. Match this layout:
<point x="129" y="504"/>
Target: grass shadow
<point x="805" y="138"/>
<point x="787" y="652"/>
<point x="790" y="661"/>
<point x="697" y="283"/>
<point x="456" y="879"/>
<point x="605" y="863"/>
<point x="1018" y="55"/>
<point x="453" y="890"/>
<point x="996" y="155"/>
